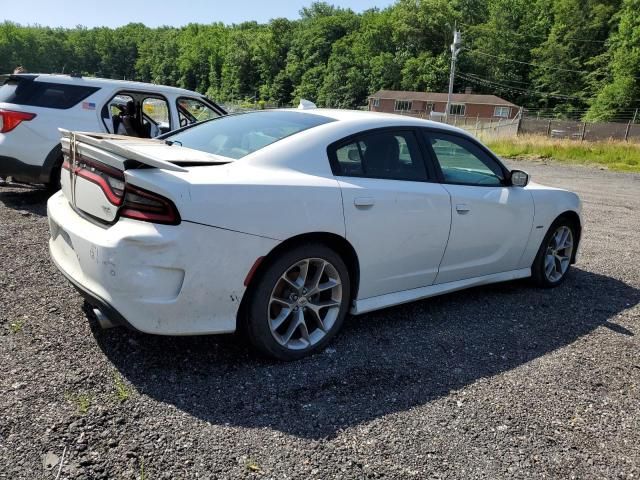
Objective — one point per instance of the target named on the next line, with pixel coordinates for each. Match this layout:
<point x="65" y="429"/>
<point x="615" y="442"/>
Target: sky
<point x="113" y="13"/>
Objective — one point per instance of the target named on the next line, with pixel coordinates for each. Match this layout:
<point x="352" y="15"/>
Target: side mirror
<point x="519" y="178"/>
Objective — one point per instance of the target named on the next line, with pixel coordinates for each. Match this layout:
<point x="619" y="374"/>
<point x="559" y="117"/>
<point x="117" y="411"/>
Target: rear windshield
<point x="235" y="136"/>
<point x="44" y="94"/>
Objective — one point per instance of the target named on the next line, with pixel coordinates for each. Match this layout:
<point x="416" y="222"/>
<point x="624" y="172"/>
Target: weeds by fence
<point x="612" y="154"/>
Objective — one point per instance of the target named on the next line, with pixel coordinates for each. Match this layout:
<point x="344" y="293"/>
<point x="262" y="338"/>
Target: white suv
<point x="34" y="106"/>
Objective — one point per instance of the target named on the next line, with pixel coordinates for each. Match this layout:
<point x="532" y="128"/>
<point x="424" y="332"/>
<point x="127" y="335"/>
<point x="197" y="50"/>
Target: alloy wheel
<point x="558" y="254"/>
<point x="305" y="303"/>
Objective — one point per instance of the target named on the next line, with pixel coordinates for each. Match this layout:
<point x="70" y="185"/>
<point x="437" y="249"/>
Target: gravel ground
<point x="497" y="382"/>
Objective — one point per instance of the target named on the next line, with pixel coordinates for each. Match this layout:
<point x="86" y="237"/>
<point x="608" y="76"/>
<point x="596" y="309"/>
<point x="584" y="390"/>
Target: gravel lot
<point x="498" y="382"/>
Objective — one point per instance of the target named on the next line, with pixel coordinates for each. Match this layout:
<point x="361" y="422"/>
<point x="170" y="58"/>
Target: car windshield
<point x="236" y="136"/>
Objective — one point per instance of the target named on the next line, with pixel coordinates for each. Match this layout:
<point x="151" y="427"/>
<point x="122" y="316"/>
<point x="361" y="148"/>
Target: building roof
<point x="442" y="97"/>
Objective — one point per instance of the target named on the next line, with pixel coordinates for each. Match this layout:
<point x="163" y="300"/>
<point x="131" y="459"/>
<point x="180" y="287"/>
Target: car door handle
<point x="462" y="208"/>
<point x="364" y="201"/>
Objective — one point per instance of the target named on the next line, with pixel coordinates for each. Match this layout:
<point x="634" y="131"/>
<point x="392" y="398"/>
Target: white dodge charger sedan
<point x="282" y="222"/>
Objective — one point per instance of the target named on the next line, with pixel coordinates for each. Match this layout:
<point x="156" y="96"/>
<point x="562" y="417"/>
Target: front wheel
<point x="553" y="261"/>
<point x="299" y="302"/>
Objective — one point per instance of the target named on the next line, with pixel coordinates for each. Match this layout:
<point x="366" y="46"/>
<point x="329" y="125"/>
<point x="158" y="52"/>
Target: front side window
<point x="114" y="111"/>
<point x="236" y="136"/>
<point x="191" y="110"/>
<point x="403" y="105"/>
<point x="457" y="109"/>
<point x="462" y="162"/>
<point x="387" y="155"/>
<point x="157" y="110"/>
<point x="502" y="112"/>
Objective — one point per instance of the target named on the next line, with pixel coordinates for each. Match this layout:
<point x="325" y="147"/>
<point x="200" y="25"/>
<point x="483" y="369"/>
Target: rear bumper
<point x="166" y="280"/>
<point x="95" y="301"/>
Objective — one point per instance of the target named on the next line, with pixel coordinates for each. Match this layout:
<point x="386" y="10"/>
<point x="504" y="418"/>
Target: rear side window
<point x="44" y="94"/>
<point x="392" y="155"/>
<point x="236" y="136"/>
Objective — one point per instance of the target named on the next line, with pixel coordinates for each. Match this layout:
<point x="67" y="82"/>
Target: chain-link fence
<point x="577" y="130"/>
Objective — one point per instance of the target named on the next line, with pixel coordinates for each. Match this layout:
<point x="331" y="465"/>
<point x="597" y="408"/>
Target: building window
<point x="503" y="112"/>
<point x="403" y="105"/>
<point x="457" y="109"/>
<point x="375" y="102"/>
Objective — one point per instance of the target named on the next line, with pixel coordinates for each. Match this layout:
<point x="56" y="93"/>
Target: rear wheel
<point x="53" y="185"/>
<point x="554" y="257"/>
<point x="299" y="303"/>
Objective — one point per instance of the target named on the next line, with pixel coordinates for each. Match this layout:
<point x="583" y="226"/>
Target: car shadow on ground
<point x="384" y="362"/>
<point x="25" y="198"/>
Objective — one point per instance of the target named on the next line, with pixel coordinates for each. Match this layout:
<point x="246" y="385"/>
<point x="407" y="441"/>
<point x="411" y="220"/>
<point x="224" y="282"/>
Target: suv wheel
<point x="54" y="179"/>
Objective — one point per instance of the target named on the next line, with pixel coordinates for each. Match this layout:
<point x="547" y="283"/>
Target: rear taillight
<point x="147" y="206"/>
<point x="134" y="202"/>
<point x="10" y="119"/>
<point x="109" y="179"/>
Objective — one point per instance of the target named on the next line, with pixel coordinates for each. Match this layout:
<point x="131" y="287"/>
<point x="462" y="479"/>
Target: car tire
<point x="555" y="255"/>
<point x="53" y="185"/>
<point x="290" y="317"/>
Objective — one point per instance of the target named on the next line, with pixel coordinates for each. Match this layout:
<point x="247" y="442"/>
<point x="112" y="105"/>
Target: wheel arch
<point x="337" y="243"/>
<point x="573" y="216"/>
<point x="52" y="161"/>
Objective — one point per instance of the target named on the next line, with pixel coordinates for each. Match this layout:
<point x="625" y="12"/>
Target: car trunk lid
<point x="93" y="177"/>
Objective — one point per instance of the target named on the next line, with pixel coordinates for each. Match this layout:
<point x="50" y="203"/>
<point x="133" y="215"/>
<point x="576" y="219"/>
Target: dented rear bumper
<point x="160" y="279"/>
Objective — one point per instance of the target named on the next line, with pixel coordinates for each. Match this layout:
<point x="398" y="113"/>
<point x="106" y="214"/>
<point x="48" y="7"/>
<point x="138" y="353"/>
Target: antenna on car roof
<point x="306" y="105"/>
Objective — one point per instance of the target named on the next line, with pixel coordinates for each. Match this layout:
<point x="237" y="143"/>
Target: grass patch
<point x="143" y="476"/>
<point x="252" y="466"/>
<point x="82" y="401"/>
<point x="614" y="154"/>
<point x="122" y="390"/>
<point x="16" y="327"/>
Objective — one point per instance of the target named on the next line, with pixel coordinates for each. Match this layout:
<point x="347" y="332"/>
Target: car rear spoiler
<point x="109" y="142"/>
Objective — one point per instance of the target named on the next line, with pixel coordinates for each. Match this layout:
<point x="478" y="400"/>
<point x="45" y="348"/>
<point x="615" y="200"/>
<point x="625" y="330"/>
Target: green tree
<point x="578" y="33"/>
<point x="622" y="90"/>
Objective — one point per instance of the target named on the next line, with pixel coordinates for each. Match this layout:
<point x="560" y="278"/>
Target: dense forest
<point x="578" y="58"/>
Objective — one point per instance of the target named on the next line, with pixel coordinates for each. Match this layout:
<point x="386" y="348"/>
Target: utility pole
<point x="455" y="49"/>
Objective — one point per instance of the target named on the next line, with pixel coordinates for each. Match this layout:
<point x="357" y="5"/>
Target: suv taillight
<point x="10" y="119"/>
<point x="147" y="206"/>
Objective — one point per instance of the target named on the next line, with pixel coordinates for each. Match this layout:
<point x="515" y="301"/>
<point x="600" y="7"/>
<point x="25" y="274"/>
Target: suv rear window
<point x="236" y="136"/>
<point x="44" y="94"/>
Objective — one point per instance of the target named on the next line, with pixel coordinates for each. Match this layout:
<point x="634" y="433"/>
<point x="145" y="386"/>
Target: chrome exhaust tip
<point x="103" y="320"/>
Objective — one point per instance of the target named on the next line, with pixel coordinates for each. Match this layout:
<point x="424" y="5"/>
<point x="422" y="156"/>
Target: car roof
<point x="366" y="116"/>
<point x="104" y="82"/>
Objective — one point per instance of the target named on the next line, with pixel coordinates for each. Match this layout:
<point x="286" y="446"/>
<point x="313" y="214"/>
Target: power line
<point x="536" y="64"/>
<point x="505" y="59"/>
<point x="478" y="79"/>
<point x="514" y="89"/>
<point x="546" y="37"/>
<point x="498" y="81"/>
<point x="501" y="80"/>
<point x="543" y="112"/>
